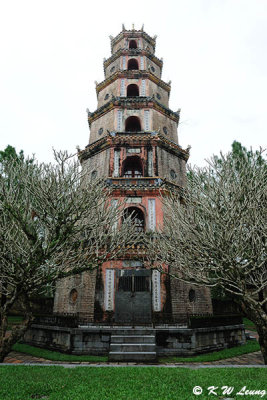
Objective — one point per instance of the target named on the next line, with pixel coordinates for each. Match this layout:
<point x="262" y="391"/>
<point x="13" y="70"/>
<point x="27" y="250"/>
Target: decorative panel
<point x="119" y="120"/>
<point x="114" y="203"/>
<point x="109" y="290"/>
<point x="122" y="92"/>
<point x="146" y="116"/>
<point x="150" y="163"/>
<point x="156" y="290"/>
<point x="134" y="200"/>
<point x="151" y="214"/>
<point x="116" y="163"/>
<point x="143" y="88"/>
<point x="123" y="62"/>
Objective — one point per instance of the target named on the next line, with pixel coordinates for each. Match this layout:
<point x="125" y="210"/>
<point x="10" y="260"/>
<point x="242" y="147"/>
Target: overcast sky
<point x="214" y="52"/>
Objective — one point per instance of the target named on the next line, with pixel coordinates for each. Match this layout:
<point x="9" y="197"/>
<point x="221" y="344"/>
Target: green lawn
<point x="249" y="324"/>
<point x="14" y="320"/>
<point x="111" y="383"/>
<point x="54" y="355"/>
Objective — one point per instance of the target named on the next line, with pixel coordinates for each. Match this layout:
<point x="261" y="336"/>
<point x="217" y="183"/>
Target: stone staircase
<point x="133" y="344"/>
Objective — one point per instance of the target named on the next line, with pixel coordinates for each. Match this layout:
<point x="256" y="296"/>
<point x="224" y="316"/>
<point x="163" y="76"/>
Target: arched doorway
<point x="132" y="167"/>
<point x="132" y="44"/>
<point x="137" y="218"/>
<point x="132" y="124"/>
<point x="133" y="296"/>
<point x="132" y="64"/>
<point x="132" y="90"/>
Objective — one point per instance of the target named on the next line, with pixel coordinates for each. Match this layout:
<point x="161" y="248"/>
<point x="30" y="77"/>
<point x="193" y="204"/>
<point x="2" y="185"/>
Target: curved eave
<point x="135" y="34"/>
<point x="133" y="52"/>
<point x="124" y="189"/>
<point x="120" y="139"/>
<point x="130" y="103"/>
<point x="132" y="75"/>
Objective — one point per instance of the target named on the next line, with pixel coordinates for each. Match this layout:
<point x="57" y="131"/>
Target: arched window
<point x="132" y="44"/>
<point x="132" y="124"/>
<point x="132" y="64"/>
<point x="132" y="167"/>
<point x="132" y="90"/>
<point x="192" y="295"/>
<point x="137" y="218"/>
<point x="73" y="296"/>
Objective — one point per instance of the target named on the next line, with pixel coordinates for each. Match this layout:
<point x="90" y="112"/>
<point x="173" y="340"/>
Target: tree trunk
<point x="262" y="331"/>
<point x="257" y="315"/>
<point x="16" y="334"/>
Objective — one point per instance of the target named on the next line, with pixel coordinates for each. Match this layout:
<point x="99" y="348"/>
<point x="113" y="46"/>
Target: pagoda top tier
<point x="135" y="39"/>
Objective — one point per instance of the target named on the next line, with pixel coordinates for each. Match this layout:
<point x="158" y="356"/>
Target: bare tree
<point x="53" y="223"/>
<point x="217" y="235"/>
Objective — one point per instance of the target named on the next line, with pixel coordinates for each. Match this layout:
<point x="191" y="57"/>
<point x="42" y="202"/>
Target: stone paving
<point x="253" y="359"/>
<point x="246" y="359"/>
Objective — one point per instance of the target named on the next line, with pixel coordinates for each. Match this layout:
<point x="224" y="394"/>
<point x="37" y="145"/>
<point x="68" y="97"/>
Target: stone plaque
<point x="143" y="87"/>
<point x="151" y="214"/>
<point x="122" y="87"/>
<point x="109" y="290"/>
<point x="147" y="122"/>
<point x="119" y="120"/>
<point x="116" y="163"/>
<point x="150" y="163"/>
<point x="134" y="200"/>
<point x="156" y="290"/>
<point x="123" y="62"/>
<point x="133" y="150"/>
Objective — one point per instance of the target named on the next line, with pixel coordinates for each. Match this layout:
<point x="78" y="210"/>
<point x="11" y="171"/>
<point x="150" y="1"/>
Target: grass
<point x="131" y="383"/>
<point x="14" y="320"/>
<point x="249" y="324"/>
<point x="249" y="347"/>
<point x="54" y="355"/>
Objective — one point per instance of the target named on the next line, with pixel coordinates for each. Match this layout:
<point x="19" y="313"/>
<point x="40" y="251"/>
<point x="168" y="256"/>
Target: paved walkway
<point x="253" y="359"/>
<point x="246" y="359"/>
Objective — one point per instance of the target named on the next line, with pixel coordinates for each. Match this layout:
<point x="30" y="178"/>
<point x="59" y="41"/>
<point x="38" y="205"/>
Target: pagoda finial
<point x="142" y="28"/>
<point x="132" y="27"/>
<point x="123" y="27"/>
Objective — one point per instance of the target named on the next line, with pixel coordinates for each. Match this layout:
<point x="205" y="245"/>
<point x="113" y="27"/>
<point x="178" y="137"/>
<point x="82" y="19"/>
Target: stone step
<point x="132" y="347"/>
<point x="133" y="356"/>
<point x="132" y="338"/>
<point x="132" y="331"/>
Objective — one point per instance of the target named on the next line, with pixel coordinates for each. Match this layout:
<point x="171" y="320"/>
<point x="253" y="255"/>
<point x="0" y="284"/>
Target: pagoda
<point x="133" y="145"/>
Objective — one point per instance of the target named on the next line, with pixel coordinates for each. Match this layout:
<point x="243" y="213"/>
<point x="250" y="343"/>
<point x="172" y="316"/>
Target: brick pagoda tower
<point x="134" y="145"/>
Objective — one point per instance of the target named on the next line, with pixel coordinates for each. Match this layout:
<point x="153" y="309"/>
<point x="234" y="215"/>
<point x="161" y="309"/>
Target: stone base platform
<point x="169" y="340"/>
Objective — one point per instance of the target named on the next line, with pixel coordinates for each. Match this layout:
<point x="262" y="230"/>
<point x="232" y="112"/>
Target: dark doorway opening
<point x="132" y="44"/>
<point x="132" y="167"/>
<point x="133" y="296"/>
<point x="132" y="124"/>
<point x="132" y="64"/>
<point x="137" y="218"/>
<point x="132" y="90"/>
